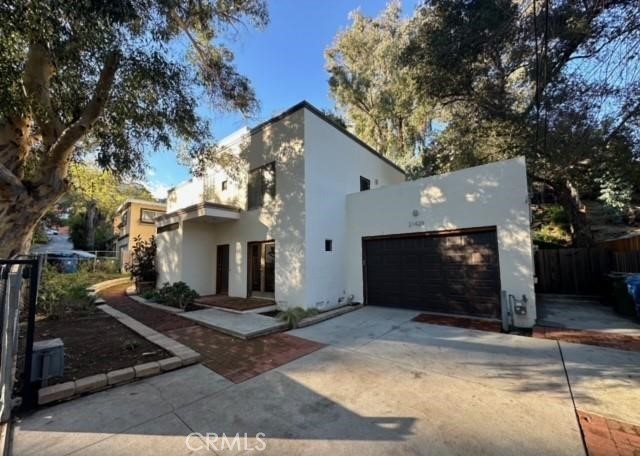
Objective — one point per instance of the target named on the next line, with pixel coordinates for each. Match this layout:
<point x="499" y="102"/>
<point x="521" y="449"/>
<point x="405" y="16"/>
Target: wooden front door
<point x="262" y="268"/>
<point x="222" y="269"/>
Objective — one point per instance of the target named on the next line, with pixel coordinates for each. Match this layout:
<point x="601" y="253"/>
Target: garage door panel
<point x="451" y="273"/>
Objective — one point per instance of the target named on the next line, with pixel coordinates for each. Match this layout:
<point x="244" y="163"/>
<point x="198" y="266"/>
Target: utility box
<point x="48" y="360"/>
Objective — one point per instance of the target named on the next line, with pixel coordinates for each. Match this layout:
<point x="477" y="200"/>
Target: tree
<point x="377" y="93"/>
<point x="525" y="78"/>
<point x="93" y="197"/>
<point x="112" y="78"/>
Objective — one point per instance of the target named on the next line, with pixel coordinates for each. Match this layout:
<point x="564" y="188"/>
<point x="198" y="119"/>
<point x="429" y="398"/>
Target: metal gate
<point x="19" y="280"/>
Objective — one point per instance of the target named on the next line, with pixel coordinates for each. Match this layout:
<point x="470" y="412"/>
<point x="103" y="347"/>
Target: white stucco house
<point x="306" y="214"/>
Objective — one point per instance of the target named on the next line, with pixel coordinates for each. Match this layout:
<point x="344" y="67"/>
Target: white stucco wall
<point x="281" y="219"/>
<point x="169" y="256"/>
<point x="333" y="166"/>
<point x="491" y="195"/>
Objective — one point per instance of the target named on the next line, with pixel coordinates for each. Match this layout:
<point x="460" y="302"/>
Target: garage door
<point x="454" y="273"/>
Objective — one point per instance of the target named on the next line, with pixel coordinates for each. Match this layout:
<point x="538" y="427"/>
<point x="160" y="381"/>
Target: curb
<point x="131" y="294"/>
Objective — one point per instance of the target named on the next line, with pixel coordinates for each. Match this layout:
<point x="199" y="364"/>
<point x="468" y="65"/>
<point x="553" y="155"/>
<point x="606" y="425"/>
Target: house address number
<point x="416" y="223"/>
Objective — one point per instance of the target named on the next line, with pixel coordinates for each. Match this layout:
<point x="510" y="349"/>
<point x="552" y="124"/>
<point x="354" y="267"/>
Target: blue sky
<point x="285" y="63"/>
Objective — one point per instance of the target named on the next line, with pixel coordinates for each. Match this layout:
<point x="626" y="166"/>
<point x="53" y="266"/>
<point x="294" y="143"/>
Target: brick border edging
<point x="182" y="356"/>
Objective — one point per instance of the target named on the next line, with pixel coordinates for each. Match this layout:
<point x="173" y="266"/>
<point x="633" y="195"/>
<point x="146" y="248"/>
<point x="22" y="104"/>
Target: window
<point x="123" y="220"/>
<point x="328" y="245"/>
<point x="365" y="184"/>
<point x="224" y="185"/>
<point x="148" y="215"/>
<point x="262" y="181"/>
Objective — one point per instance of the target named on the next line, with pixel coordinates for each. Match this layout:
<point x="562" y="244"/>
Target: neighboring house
<point x="305" y="213"/>
<point x="134" y="218"/>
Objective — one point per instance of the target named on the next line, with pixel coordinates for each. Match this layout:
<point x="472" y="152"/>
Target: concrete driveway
<point x="383" y="385"/>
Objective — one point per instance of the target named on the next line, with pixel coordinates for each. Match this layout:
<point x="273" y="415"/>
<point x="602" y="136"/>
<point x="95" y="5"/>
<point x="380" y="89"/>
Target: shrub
<point x="178" y="294"/>
<point x="61" y="294"/>
<point x="293" y="316"/>
<point x="143" y="260"/>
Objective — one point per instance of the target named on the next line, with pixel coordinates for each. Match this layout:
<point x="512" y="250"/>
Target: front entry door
<point x="262" y="257"/>
<point x="222" y="269"/>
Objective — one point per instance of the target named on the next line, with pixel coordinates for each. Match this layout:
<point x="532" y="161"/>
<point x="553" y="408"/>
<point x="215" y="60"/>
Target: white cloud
<point x="158" y="189"/>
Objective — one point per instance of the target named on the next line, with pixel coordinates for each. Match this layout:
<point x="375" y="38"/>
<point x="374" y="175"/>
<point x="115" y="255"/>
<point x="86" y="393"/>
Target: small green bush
<point x="293" y="316"/>
<point x="62" y="294"/>
<point x="178" y="294"/>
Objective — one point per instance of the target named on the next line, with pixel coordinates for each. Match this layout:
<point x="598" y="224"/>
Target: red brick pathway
<point x="459" y="322"/>
<point x="235" y="359"/>
<point x="617" y="341"/>
<point x="239" y="360"/>
<point x="607" y="437"/>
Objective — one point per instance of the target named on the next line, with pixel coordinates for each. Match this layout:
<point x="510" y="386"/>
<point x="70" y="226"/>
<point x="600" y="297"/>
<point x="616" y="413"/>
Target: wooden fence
<point x="580" y="271"/>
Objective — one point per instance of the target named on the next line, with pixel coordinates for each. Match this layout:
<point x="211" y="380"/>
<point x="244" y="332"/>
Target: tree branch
<point x="37" y="75"/>
<point x="60" y="152"/>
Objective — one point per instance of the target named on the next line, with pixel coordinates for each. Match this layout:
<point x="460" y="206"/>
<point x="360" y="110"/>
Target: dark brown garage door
<point x="454" y="273"/>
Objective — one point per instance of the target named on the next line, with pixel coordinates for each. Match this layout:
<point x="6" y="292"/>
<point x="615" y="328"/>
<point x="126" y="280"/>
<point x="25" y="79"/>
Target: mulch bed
<point x="97" y="344"/>
<point x="239" y="360"/>
<point x="459" y="322"/>
<point x="235" y="359"/>
<point x="607" y="437"/>
<point x="576" y="336"/>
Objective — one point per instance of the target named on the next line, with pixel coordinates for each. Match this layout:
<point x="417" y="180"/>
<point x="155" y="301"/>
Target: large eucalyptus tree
<point x="109" y="79"/>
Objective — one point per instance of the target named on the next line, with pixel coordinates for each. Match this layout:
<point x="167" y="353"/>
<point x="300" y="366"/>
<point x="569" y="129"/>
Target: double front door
<point x="262" y="261"/>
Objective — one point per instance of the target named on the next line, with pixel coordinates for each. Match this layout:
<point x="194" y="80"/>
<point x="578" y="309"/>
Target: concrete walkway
<point x="384" y="385"/>
<point x="242" y="325"/>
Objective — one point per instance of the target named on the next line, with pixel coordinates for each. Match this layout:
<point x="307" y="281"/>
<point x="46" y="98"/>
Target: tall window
<point x="262" y="181"/>
<point x="365" y="184"/>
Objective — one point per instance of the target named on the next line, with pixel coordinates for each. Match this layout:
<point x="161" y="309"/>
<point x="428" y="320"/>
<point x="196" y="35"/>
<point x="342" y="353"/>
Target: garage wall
<point x="333" y="166"/>
<point x="489" y="195"/>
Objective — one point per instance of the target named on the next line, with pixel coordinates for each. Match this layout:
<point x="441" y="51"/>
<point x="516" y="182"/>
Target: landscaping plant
<point x="143" y="263"/>
<point x="61" y="294"/>
<point x="293" y="316"/>
<point x="178" y="294"/>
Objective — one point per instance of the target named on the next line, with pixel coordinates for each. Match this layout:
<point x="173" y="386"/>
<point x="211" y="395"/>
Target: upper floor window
<point x="148" y="215"/>
<point x="123" y="218"/>
<point x="262" y="181"/>
<point x="365" y="184"/>
<point x="224" y="185"/>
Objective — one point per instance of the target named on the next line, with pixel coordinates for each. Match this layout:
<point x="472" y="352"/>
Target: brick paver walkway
<point x="460" y="322"/>
<point x="235" y="359"/>
<point x="602" y="339"/>
<point x="607" y="437"/>
<point x="239" y="360"/>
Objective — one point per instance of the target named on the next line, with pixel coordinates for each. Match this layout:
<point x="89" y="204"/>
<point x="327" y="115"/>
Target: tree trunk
<point x="569" y="198"/>
<point x="18" y="219"/>
<point x="90" y="225"/>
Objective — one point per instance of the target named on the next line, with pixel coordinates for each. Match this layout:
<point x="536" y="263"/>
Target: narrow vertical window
<point x="365" y="184"/>
<point x="328" y="245"/>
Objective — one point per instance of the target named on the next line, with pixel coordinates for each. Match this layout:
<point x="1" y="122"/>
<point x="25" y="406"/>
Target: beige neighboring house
<point x="134" y="217"/>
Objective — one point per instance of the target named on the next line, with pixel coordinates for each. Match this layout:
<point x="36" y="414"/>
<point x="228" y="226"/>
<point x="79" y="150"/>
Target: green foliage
<point x="143" y="260"/>
<point x="293" y="316"/>
<point x="60" y="294"/>
<point x="615" y="194"/>
<point x="377" y="93"/>
<point x="501" y="84"/>
<point x="551" y="226"/>
<point x="178" y="294"/>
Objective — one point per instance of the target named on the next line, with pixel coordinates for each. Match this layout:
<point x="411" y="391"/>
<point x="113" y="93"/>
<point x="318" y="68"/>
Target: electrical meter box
<point x="47" y="360"/>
